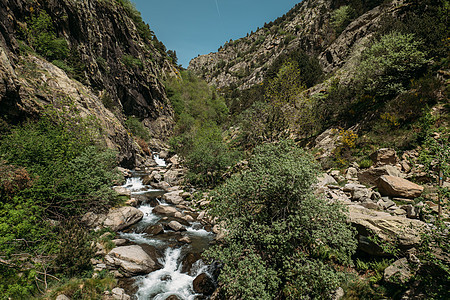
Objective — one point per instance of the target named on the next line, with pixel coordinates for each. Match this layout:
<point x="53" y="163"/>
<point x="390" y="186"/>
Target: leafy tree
<point x="341" y="17"/>
<point x="390" y="63"/>
<point x="278" y="230"/>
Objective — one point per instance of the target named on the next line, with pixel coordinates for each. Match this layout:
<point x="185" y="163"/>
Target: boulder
<point x="403" y="232"/>
<point x="174" y="160"/>
<point x="351" y="174"/>
<point x="155" y="229"/>
<point x="122" y="191"/>
<point x="399" y="272"/>
<point x="155" y="176"/>
<point x="185" y="239"/>
<point x="174" y="177"/>
<point x="384" y="156"/>
<point x="62" y="297"/>
<point x="119" y="242"/>
<point x="131" y="260"/>
<point x="176" y="226"/>
<point x="161" y="185"/>
<point x="93" y="220"/>
<point x="119" y="294"/>
<point x="398" y="187"/>
<point x="361" y="194"/>
<point x="165" y="210"/>
<point x="123" y="217"/>
<point x="371" y="175"/>
<point x="203" y="284"/>
<point x="173" y="197"/>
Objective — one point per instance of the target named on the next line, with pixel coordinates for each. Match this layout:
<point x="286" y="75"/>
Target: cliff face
<point x="112" y="63"/>
<point x="313" y="26"/>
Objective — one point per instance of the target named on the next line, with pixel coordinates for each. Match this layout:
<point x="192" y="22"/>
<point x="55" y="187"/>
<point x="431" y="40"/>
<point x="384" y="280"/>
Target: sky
<point x="193" y="27"/>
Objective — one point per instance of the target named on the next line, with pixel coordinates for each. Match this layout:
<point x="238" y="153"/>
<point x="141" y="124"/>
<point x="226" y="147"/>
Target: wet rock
<point x="398" y="187"/>
<point x="203" y="284"/>
<point x="185" y="239"/>
<point x="155" y="176"/>
<point x="161" y="185"/>
<point x="123" y="217"/>
<point x="165" y="210"/>
<point x="189" y="261"/>
<point x="176" y="226"/>
<point x="125" y="172"/>
<point x="132" y="202"/>
<point x="399" y="272"/>
<point x="155" y="229"/>
<point x="131" y="260"/>
<point x="173" y="297"/>
<point x="384" y="156"/>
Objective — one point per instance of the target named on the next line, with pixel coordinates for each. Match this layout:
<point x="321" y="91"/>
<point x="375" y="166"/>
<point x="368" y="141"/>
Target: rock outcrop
<point x="116" y="68"/>
<point x="398" y="187"/>
<point x="116" y="219"/>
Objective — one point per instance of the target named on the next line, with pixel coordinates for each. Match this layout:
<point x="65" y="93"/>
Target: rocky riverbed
<point x="160" y="237"/>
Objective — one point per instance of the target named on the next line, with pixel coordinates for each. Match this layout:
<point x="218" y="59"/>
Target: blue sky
<point x="193" y="27"/>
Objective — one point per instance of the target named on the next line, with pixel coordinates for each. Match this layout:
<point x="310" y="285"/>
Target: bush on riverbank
<point x="278" y="230"/>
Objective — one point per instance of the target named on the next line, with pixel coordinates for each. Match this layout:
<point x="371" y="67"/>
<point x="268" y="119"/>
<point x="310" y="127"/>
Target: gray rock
<point x="123" y="217"/>
<point x="403" y="232"/>
<point x="173" y="197"/>
<point x="62" y="297"/>
<point x="122" y="191"/>
<point x="399" y="272"/>
<point x="119" y="294"/>
<point x="351" y="174"/>
<point x="119" y="242"/>
<point x="411" y="211"/>
<point x="131" y="260"/>
<point x="165" y="210"/>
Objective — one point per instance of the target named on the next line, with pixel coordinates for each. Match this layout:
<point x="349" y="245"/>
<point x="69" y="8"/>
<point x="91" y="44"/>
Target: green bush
<point x="135" y="126"/>
<point x="132" y="62"/>
<point x="341" y="17"/>
<point x="389" y="64"/>
<point x="279" y="229"/>
<point x="209" y="156"/>
<point x="42" y="37"/>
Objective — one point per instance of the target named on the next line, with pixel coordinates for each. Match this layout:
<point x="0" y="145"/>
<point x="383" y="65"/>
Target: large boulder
<point x="204" y="284"/>
<point x="131" y="260"/>
<point x="384" y="156"/>
<point x="399" y="231"/>
<point x="176" y="226"/>
<point x="398" y="187"/>
<point x="372" y="174"/>
<point x="173" y="197"/>
<point x="123" y="217"/>
<point x="174" y="176"/>
<point x="122" y="191"/>
<point x="165" y="210"/>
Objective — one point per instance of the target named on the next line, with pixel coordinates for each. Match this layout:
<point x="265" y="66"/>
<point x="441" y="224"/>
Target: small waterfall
<point x="169" y="280"/>
<point x="134" y="184"/>
<point x="159" y="161"/>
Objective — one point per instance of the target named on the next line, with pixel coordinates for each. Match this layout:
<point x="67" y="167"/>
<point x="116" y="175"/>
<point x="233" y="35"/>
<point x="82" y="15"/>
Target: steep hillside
<point x="97" y="55"/>
<point x="320" y="28"/>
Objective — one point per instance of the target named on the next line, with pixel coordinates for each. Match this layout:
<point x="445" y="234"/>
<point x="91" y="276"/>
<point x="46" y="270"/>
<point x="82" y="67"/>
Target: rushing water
<point x="174" y="278"/>
<point x="159" y="161"/>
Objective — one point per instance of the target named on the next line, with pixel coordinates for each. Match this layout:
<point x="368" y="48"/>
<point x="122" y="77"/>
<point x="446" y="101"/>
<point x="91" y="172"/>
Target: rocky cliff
<point x="97" y="55"/>
<point x="331" y="30"/>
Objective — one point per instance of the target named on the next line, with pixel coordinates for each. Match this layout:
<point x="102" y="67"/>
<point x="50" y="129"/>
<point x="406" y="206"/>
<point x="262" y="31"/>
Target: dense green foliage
<point x="199" y="114"/>
<point x="51" y="173"/>
<point x="388" y="65"/>
<point x="278" y="230"/>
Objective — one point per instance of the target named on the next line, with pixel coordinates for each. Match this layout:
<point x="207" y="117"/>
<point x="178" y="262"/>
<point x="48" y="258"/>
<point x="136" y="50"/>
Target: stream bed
<point x="177" y="252"/>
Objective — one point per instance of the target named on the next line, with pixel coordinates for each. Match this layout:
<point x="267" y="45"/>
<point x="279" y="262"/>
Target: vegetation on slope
<point x="52" y="172"/>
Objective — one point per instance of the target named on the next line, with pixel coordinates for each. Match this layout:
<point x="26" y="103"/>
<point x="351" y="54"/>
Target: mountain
<point x="330" y="30"/>
<point x="98" y="56"/>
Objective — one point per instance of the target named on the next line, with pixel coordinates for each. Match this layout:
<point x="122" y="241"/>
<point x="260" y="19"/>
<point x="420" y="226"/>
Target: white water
<point x="159" y="161"/>
<point x="149" y="217"/>
<point x="140" y="238"/>
<point x="136" y="186"/>
<point x="169" y="280"/>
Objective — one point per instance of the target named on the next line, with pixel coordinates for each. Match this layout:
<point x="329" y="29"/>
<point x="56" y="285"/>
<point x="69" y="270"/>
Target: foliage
<point x="278" y="227"/>
<point x="199" y="112"/>
<point x="341" y="17"/>
<point x="42" y="37"/>
<point x="285" y="86"/>
<point x="135" y="126"/>
<point x="387" y="67"/>
<point x="209" y="156"/>
<point x="132" y="62"/>
<point x="135" y="15"/>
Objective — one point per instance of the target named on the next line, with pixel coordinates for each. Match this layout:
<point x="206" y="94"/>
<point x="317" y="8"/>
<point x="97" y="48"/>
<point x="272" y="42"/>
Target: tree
<point x="281" y="238"/>
<point x="388" y="66"/>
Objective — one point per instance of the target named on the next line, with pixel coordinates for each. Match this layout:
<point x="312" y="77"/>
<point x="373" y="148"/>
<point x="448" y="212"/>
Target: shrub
<point x="341" y="17"/>
<point x="389" y="64"/>
<point x="136" y="127"/>
<point x="278" y="227"/>
<point x="132" y="62"/>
